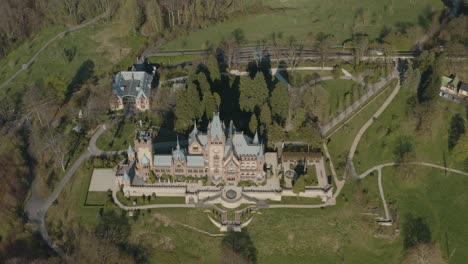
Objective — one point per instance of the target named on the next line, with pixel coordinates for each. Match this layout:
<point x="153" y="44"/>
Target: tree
<point x="203" y="83"/>
<point x="336" y="72"/>
<point x="253" y="124"/>
<point x="213" y="68"/>
<point x="299" y="185"/>
<point x="457" y="129"/>
<point x="323" y="43"/>
<point x="265" y="115"/>
<point x="415" y="231"/>
<point x="253" y="93"/>
<point x="361" y="44"/>
<point x="403" y="146"/>
<point x="188" y="108"/>
<point x="280" y="103"/>
<point x="209" y="105"/>
<point x="58" y="86"/>
<point x="275" y="134"/>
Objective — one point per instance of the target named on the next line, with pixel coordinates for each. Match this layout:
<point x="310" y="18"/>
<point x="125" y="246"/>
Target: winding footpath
<point x="36" y="208"/>
<point x="25" y="66"/>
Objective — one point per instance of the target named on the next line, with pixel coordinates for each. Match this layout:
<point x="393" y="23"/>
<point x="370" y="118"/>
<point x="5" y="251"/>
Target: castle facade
<point x="222" y="154"/>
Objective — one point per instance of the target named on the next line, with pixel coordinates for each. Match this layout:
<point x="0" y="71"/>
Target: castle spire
<point x="178" y="146"/>
<point x="255" y="140"/>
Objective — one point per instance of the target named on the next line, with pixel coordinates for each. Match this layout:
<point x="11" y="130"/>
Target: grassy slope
<point x="430" y="145"/>
<point x="441" y="200"/>
<point x="102" y="44"/>
<point x="299" y="17"/>
<point x="340" y="233"/>
<point x="341" y="141"/>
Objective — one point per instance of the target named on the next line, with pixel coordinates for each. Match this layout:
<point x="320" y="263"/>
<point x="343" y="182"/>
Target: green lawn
<point x="346" y="232"/>
<point x="144" y="201"/>
<point x="115" y="138"/>
<point x="296" y="200"/>
<point x="175" y="59"/>
<point x="430" y="141"/>
<point x="301" y="17"/>
<point x="340" y="142"/>
<point x="97" y="198"/>
<point x="299" y="78"/>
<point x="102" y="44"/>
<point x="440" y="199"/>
<point x="328" y="99"/>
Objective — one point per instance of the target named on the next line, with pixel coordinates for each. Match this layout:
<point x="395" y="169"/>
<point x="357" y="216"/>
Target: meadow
<point x="302" y="19"/>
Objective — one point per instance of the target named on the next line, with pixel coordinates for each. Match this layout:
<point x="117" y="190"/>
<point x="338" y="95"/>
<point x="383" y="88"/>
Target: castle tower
<point x="216" y="145"/>
<point x="144" y="152"/>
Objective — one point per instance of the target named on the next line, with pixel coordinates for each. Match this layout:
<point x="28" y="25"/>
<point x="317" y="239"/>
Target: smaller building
<point x="452" y="88"/>
<point x="133" y="87"/>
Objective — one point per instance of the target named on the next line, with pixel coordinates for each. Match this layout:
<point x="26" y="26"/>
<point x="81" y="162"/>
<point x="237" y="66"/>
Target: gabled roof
<point x="132" y="83"/>
<point x="216" y="127"/>
<point x="178" y="154"/>
<point x="145" y="160"/>
<point x="195" y="161"/>
<point x="255" y="140"/>
<point x="163" y="160"/>
<point x="464" y="86"/>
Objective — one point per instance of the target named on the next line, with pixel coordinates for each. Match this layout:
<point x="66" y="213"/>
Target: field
<point x="115" y="138"/>
<point x="346" y="232"/>
<point x="340" y="142"/>
<point x="99" y="48"/>
<point x="430" y="142"/>
<point x="298" y="18"/>
<point x="334" y="96"/>
<point x="175" y="59"/>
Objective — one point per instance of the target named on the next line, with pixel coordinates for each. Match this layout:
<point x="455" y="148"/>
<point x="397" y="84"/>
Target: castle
<point x="222" y="154"/>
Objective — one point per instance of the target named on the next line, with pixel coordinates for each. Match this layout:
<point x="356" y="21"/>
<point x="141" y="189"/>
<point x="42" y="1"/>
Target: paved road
<point x="371" y="121"/>
<point x="382" y="196"/>
<point x="383" y="165"/>
<point x="70" y="29"/>
<point x="36" y="208"/>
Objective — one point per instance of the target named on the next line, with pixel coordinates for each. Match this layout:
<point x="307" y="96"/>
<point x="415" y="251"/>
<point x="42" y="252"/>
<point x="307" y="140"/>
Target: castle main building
<point x="222" y="154"/>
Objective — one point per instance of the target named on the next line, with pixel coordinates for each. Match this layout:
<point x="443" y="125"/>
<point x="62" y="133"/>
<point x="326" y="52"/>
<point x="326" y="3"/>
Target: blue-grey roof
<point x="255" y="140"/>
<point x="145" y="160"/>
<point x="178" y="154"/>
<point x="126" y="177"/>
<point x="132" y="83"/>
<point x="242" y="147"/>
<point x="195" y="161"/>
<point x="203" y="139"/>
<point x="194" y="133"/>
<point x="163" y="160"/>
<point x="130" y="150"/>
<point x="216" y="127"/>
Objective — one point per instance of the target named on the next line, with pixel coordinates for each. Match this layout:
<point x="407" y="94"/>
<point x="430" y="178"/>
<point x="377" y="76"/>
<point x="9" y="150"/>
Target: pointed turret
<point x="260" y="151"/>
<point x="178" y="154"/>
<point x="130" y="150"/>
<point x="194" y="133"/>
<point x="255" y="140"/>
<point x="178" y="145"/>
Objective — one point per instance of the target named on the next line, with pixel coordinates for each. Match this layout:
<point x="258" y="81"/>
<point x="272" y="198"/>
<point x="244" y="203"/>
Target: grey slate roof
<point x="195" y="161"/>
<point x="132" y="83"/>
<point x="145" y="160"/>
<point x="242" y="146"/>
<point x="178" y="154"/>
<point x="464" y="86"/>
<point x="216" y="127"/>
<point x="130" y="150"/>
<point x="163" y="160"/>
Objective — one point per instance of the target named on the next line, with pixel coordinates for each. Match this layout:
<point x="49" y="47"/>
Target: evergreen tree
<point x="209" y="105"/>
<point x="253" y="124"/>
<point x="253" y="93"/>
<point x="280" y="103"/>
<point x="213" y="68"/>
<point x="265" y="115"/>
<point x="203" y="83"/>
<point x="188" y="108"/>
